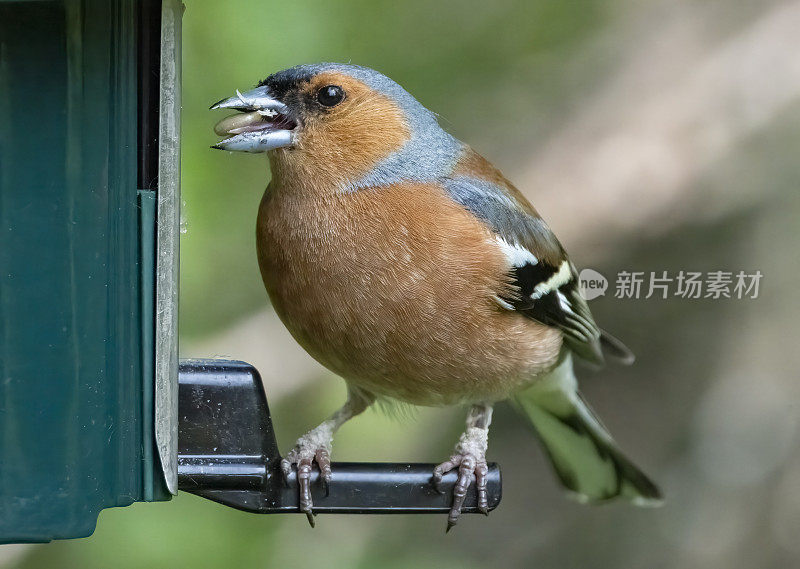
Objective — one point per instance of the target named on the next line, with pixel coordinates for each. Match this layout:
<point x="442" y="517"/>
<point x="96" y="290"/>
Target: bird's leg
<point x="315" y="446"/>
<point x="470" y="459"/>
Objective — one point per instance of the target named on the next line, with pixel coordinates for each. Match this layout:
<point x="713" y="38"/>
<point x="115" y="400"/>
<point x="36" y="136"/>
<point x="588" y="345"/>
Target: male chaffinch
<point x="406" y="263"/>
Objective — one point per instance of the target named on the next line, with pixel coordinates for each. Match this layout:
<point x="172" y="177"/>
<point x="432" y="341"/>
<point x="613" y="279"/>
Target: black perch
<point x="227" y="453"/>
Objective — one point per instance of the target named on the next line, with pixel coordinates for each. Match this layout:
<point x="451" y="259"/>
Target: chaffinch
<point x="406" y="263"/>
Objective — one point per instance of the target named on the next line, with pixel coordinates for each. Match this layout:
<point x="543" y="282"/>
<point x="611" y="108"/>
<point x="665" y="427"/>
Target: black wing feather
<point x="546" y="284"/>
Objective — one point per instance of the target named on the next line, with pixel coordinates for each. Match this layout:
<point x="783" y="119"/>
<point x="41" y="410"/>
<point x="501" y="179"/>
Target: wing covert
<point x="545" y="279"/>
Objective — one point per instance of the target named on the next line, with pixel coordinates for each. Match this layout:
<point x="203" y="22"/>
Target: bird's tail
<point x="584" y="456"/>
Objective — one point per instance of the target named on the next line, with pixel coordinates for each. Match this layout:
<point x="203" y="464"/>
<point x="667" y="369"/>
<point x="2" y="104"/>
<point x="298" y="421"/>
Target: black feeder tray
<point x="227" y="453"/>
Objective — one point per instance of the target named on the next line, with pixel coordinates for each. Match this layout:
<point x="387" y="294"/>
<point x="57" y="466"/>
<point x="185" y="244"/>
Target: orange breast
<point x="392" y="289"/>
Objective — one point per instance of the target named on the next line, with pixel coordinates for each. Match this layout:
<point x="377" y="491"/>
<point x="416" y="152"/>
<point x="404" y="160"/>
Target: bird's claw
<point x="304" y="458"/>
<point x="469" y="466"/>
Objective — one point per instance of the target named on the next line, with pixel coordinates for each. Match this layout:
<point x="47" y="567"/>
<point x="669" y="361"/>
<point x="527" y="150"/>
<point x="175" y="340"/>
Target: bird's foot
<point x="314" y="446"/>
<point x="470" y="459"/>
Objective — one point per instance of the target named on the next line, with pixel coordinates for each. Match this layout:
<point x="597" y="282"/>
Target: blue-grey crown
<point x="430" y="153"/>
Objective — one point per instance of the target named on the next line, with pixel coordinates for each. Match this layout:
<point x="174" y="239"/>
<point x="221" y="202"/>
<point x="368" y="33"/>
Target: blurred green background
<point x="653" y="135"/>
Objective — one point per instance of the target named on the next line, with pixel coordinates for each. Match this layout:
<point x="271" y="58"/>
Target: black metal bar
<point x="221" y="472"/>
<point x="227" y="453"/>
<point x="356" y="488"/>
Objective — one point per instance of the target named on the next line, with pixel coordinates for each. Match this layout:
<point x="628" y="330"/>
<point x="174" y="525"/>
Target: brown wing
<point x="546" y="280"/>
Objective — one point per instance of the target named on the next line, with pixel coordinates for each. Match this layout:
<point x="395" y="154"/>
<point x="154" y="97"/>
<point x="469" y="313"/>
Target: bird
<point x="407" y="264"/>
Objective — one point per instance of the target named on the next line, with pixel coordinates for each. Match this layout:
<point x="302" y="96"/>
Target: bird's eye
<point x="330" y="96"/>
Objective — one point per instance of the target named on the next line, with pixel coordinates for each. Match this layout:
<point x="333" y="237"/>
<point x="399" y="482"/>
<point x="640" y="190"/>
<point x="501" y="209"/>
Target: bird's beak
<point x="263" y="123"/>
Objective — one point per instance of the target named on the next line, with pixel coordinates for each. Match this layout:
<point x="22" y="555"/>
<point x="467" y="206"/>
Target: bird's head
<point x="338" y="124"/>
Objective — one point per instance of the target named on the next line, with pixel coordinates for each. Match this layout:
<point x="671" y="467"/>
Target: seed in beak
<point x="243" y="122"/>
